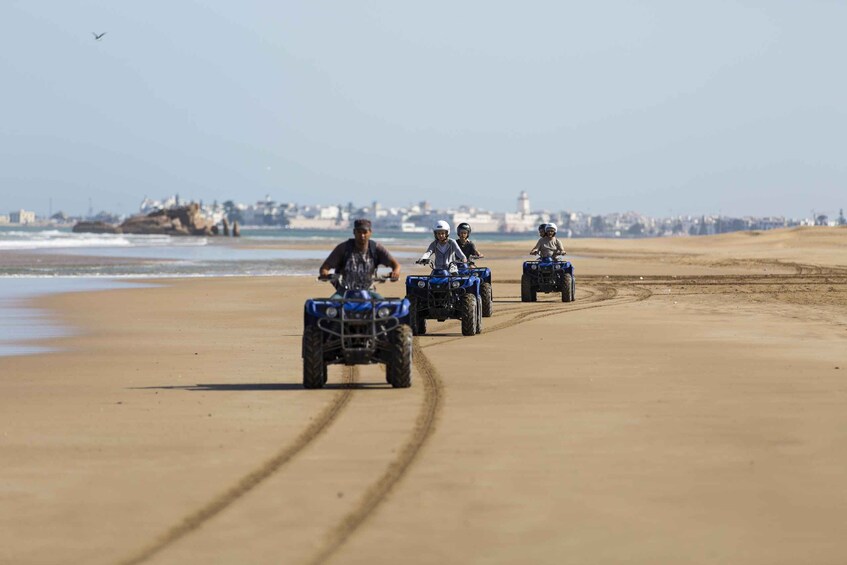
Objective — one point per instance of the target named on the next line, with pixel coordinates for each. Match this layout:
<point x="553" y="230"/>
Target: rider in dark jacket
<point x="466" y="245"/>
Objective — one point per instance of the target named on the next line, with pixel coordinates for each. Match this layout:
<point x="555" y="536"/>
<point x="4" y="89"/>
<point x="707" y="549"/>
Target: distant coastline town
<point x="419" y="217"/>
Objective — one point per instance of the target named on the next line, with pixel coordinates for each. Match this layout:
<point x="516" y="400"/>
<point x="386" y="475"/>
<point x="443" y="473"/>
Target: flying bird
<point x="98" y="37"/>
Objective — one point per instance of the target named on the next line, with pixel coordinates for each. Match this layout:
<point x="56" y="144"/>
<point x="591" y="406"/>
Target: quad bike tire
<point x="487" y="294"/>
<point x="478" y="314"/>
<point x="469" y="315"/>
<point x="528" y="294"/>
<point x="567" y="288"/>
<point x="416" y="321"/>
<point x="398" y="368"/>
<point x="314" y="367"/>
<point x="525" y="289"/>
<point x="573" y="288"/>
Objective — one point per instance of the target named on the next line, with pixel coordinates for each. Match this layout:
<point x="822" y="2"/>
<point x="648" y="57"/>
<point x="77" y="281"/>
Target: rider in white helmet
<point x="443" y="252"/>
<point x="548" y="245"/>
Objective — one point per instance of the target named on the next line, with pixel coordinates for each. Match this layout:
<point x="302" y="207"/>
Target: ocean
<point x="39" y="261"/>
<point x="42" y="260"/>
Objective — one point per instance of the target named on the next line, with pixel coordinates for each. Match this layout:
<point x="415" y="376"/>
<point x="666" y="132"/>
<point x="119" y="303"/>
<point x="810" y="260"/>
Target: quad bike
<point x="548" y="274"/>
<point x="357" y="329"/>
<point x="443" y="295"/>
<point x="485" y="289"/>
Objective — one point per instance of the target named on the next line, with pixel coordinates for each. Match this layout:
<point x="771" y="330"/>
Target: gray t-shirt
<point x="444" y="253"/>
<point x="549" y="247"/>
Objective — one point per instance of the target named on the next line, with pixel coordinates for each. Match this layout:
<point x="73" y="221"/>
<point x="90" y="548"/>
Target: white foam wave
<point x="54" y="239"/>
<point x="142" y="276"/>
<point x="62" y="243"/>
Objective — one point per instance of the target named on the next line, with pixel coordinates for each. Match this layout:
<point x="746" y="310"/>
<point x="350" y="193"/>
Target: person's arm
<point x="458" y="252"/>
<point x="387" y="259"/>
<point x="475" y="251"/>
<point x="333" y="259"/>
<point x="559" y="247"/>
<point x="395" y="270"/>
<point x="427" y="254"/>
<point x="538" y="243"/>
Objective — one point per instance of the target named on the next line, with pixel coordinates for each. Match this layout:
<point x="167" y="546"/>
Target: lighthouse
<point x="523" y="203"/>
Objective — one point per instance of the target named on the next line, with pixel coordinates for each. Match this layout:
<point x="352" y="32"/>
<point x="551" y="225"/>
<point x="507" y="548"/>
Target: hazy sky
<point x="656" y="106"/>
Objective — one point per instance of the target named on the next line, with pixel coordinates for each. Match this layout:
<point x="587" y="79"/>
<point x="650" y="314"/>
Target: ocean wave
<point x="54" y="239"/>
<point x="132" y="276"/>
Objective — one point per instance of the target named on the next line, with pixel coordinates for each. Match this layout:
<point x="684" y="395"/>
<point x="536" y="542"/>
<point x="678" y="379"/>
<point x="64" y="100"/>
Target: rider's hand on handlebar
<point x="395" y="275"/>
<point x="534" y="252"/>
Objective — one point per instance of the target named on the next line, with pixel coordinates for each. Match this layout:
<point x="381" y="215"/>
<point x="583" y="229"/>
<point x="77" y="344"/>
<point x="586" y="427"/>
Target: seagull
<point x="98" y="37"/>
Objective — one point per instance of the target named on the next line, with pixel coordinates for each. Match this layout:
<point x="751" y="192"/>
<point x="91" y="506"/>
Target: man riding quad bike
<point x="446" y="293"/>
<point x="548" y="274"/>
<point x="356" y="325"/>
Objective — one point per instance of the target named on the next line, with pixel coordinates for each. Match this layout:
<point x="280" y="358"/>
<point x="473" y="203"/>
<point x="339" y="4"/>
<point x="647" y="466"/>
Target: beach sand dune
<point x="688" y="407"/>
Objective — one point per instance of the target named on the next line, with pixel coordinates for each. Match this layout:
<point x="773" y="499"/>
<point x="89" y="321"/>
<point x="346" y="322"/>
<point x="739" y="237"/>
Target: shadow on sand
<point x="236" y="387"/>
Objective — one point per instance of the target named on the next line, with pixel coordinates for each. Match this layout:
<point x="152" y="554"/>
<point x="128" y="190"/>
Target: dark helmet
<point x="464" y="226"/>
<point x="542" y="228"/>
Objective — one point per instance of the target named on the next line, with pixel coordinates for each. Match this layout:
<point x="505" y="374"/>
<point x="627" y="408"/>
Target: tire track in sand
<point x="377" y="493"/>
<point x="605" y="295"/>
<point x="250" y="481"/>
<point x="602" y="295"/>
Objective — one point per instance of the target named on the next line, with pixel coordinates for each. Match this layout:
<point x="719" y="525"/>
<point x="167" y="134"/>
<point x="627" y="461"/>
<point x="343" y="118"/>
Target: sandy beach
<point x="688" y="407"/>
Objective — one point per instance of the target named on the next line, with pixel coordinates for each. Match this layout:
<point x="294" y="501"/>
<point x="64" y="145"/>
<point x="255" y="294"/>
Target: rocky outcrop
<point x="182" y="220"/>
<point x="95" y="227"/>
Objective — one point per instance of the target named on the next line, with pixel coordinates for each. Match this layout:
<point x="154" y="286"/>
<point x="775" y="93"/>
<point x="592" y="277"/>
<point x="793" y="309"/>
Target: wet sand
<point x="688" y="407"/>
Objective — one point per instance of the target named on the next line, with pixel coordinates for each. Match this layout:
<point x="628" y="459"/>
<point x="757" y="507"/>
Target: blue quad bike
<point x="358" y="329"/>
<point x="486" y="292"/>
<point x="548" y="275"/>
<point x="444" y="295"/>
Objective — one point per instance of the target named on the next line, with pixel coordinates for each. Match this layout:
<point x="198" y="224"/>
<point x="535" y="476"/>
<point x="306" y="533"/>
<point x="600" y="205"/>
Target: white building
<point x="523" y="204"/>
<point x="4" y="220"/>
<point x="22" y="217"/>
<point x="330" y="213"/>
<point x="521" y="223"/>
<point x="481" y="222"/>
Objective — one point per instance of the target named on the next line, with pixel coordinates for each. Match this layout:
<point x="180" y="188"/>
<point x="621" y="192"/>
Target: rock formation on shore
<point x="182" y="220"/>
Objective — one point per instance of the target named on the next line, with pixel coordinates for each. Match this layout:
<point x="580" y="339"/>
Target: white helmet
<point x="552" y="226"/>
<point x="441" y="225"/>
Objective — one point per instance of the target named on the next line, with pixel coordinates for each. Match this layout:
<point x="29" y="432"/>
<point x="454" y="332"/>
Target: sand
<point x="688" y="407"/>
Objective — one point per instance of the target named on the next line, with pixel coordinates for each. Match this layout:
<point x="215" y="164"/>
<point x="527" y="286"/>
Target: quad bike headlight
<point x="534" y="267"/>
<point x="331" y="312"/>
<point x="455" y="284"/>
<point x="421" y="284"/>
<point x="558" y="266"/>
<point x="383" y="312"/>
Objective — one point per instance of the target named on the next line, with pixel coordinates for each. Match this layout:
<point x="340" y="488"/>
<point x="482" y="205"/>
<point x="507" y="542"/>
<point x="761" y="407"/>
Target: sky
<point x="661" y="107"/>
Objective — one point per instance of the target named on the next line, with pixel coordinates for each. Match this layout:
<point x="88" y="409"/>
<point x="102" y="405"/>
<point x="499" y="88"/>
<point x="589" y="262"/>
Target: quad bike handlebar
<point x="457" y="264"/>
<point x="562" y="254"/>
<point x="335" y="277"/>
